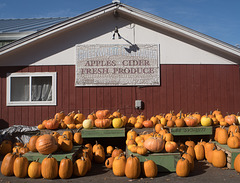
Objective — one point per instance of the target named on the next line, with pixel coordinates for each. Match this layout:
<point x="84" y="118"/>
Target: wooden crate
<point x="198" y="130"/>
<point x="166" y="162"/>
<point x="101" y="133"/>
<point x="230" y="153"/>
<point x="31" y="156"/>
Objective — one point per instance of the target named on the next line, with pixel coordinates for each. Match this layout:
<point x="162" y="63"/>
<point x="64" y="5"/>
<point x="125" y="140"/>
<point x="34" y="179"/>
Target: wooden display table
<point x="101" y="133"/>
<point x="198" y="130"/>
<point x="230" y="153"/>
<point x="31" y="156"/>
<point x="166" y="162"/>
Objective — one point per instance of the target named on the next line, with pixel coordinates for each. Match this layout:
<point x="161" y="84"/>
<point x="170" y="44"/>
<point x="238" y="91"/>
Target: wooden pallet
<point x="230" y="153"/>
<point x="31" y="156"/>
<point x="166" y="162"/>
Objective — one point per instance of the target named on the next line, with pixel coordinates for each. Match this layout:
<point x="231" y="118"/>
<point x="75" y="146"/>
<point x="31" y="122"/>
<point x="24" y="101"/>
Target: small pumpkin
<point x="237" y="163"/>
<point x="109" y="162"/>
<point x="99" y="155"/>
<point x="65" y="168"/>
<point x="102" y="114"/>
<point x="183" y="167"/>
<point x="148" y="123"/>
<point x="219" y="158"/>
<point x="149" y="169"/>
<point x="116" y="152"/>
<point x="199" y="151"/>
<point x="132" y="168"/>
<point x="118" y="166"/>
<point x="20" y="167"/>
<point x="80" y="167"/>
<point x="171" y="146"/>
<point x="79" y="118"/>
<point x="68" y="134"/>
<point x="7" y="164"/>
<point x="142" y="150"/>
<point x="34" y="169"/>
<point x="77" y="137"/>
<point x="52" y="124"/>
<point x="222" y="136"/>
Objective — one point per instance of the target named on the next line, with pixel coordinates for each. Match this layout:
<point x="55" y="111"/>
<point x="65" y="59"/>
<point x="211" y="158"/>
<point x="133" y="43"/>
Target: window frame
<point x="30" y="75"/>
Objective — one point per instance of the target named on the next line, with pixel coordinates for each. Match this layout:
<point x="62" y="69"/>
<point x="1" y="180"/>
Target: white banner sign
<point x="117" y="65"/>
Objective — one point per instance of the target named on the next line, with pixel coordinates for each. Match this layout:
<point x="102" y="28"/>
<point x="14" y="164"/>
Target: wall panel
<point x="201" y="88"/>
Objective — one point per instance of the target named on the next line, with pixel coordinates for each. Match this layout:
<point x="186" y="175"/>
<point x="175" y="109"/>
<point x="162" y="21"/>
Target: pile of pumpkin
<point x="100" y="119"/>
<point x="181" y="119"/>
<point x="44" y="144"/>
<point x="231" y="137"/>
<point x="156" y="141"/>
<point x="200" y="151"/>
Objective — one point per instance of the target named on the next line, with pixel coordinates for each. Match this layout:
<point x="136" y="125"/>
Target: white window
<point x="33" y="88"/>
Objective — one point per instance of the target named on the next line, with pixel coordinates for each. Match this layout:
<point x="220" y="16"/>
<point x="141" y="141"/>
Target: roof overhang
<point x="132" y="13"/>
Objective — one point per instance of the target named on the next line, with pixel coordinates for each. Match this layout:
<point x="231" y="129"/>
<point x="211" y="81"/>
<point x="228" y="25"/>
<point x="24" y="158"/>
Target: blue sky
<point x="217" y="18"/>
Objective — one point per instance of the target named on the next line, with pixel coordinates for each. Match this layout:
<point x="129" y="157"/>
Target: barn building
<point x="116" y="57"/>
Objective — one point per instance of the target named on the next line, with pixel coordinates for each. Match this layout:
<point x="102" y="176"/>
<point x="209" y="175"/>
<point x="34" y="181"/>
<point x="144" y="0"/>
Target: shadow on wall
<point x="3" y="124"/>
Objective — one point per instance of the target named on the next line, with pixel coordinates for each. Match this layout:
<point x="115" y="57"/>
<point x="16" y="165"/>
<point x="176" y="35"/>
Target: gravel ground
<point x="203" y="172"/>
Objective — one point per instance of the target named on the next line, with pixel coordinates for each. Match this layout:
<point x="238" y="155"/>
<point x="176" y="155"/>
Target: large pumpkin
<point x="49" y="167"/>
<point x="7" y="164"/>
<point x="103" y="123"/>
<point x="154" y="144"/>
<point x="46" y="144"/>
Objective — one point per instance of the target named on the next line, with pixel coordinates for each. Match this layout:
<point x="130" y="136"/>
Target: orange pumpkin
<point x="46" y="144"/>
<point x="103" y="123"/>
<point x="49" y="167"/>
<point x="102" y="114"/>
<point x="154" y="144"/>
<point x="52" y="124"/>
<point x="7" y="164"/>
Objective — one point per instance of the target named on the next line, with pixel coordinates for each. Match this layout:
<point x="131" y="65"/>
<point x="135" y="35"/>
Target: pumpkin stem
<point x="49" y="156"/>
